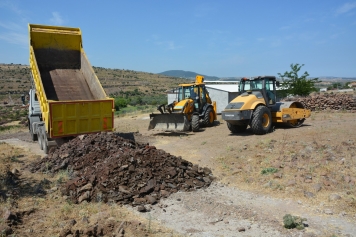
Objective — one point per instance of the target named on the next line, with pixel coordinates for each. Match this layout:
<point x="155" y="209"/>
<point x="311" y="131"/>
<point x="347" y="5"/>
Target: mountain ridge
<point x="187" y="75"/>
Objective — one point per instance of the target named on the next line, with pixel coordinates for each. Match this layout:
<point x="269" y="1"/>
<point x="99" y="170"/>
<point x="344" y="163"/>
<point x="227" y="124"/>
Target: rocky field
<point x="135" y="182"/>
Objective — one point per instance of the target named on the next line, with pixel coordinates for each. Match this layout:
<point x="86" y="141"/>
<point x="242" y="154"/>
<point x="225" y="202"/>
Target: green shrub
<point x="120" y="102"/>
<point x="270" y="170"/>
<point x="291" y="222"/>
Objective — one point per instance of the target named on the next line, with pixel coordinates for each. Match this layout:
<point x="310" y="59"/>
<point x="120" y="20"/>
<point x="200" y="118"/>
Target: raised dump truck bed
<point x="70" y="96"/>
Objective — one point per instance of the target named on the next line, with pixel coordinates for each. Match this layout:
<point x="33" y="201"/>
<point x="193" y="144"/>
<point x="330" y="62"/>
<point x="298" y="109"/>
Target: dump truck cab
<point x="193" y="104"/>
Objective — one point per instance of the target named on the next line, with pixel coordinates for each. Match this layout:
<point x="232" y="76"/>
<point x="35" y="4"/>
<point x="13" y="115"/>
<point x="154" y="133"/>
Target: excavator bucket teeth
<point x="169" y="122"/>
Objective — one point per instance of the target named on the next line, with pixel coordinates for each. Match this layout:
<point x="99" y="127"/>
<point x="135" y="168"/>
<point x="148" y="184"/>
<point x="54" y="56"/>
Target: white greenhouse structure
<point x="221" y="93"/>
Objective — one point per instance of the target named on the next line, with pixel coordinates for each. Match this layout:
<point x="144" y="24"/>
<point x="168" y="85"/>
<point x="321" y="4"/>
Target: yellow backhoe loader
<point x="256" y="107"/>
<point x="193" y="107"/>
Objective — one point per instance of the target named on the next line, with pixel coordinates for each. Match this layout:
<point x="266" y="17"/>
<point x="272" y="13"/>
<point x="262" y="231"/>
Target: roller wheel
<point x="261" y="120"/>
<point x="236" y="128"/>
<point x="195" y="123"/>
<point x="295" y="123"/>
<point x="209" y="117"/>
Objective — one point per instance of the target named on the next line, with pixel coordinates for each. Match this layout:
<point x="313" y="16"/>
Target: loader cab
<point x="261" y="87"/>
<point x="196" y="92"/>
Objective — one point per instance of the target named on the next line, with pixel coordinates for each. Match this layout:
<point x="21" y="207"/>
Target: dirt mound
<point x="105" y="167"/>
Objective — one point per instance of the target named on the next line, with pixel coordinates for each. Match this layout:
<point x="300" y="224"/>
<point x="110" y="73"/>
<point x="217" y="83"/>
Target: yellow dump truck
<point x="66" y="98"/>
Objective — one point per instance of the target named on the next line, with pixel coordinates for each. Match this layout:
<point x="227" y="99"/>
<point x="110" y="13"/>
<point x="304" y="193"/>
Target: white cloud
<point x="11" y="26"/>
<point x="204" y="10"/>
<point x="170" y="45"/>
<point x="285" y="27"/>
<point x="231" y="60"/>
<point x="166" y="44"/>
<point x="56" y="19"/>
<point x="320" y="42"/>
<point x="11" y="6"/>
<point x="345" y="8"/>
<point x="308" y="35"/>
<point x="276" y="43"/>
<point x="15" y="38"/>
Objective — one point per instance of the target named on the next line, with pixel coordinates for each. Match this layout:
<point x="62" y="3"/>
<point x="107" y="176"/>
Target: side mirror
<point x="277" y="83"/>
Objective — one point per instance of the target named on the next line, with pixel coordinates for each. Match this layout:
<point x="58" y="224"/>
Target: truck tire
<point x="208" y="119"/>
<point x="39" y="136"/>
<point x="32" y="134"/>
<point x="44" y="140"/>
<point x="195" y="123"/>
<point x="261" y="120"/>
<point x="236" y="128"/>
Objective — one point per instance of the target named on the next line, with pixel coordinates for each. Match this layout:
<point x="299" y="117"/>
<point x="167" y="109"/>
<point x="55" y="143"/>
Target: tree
<point x="120" y="102"/>
<point x="296" y="85"/>
<point x="337" y="85"/>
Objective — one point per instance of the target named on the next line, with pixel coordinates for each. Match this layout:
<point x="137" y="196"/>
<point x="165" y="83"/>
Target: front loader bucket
<point x="169" y="122"/>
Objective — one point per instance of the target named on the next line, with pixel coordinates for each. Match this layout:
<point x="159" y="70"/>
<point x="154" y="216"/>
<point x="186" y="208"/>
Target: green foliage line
<point x="295" y="84"/>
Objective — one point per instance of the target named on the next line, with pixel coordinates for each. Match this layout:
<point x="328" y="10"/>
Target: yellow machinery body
<point x="71" y="98"/>
<point x="256" y="107"/>
<point x="193" y="104"/>
<point x="282" y="112"/>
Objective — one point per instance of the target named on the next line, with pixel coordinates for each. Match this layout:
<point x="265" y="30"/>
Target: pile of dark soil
<point x="106" y="167"/>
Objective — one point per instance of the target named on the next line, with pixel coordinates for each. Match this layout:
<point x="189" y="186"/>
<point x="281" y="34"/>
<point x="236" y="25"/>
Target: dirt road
<point x="236" y="203"/>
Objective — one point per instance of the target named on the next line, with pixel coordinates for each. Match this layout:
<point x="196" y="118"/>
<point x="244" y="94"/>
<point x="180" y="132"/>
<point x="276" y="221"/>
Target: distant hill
<point x="187" y="74"/>
<point x="328" y="78"/>
<point x="15" y="79"/>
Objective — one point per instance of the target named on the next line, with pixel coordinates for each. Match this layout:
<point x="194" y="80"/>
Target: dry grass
<point x="52" y="211"/>
<point x="290" y="166"/>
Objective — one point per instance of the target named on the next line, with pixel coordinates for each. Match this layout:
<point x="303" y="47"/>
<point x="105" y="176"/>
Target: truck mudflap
<point x="169" y="122"/>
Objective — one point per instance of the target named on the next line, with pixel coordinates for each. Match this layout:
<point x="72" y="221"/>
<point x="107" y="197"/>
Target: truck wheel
<point x="236" y="128"/>
<point x="32" y="134"/>
<point x="40" y="139"/>
<point x="261" y="120"/>
<point x="45" y="146"/>
<point x="44" y="141"/>
<point x="208" y="117"/>
<point x="195" y="123"/>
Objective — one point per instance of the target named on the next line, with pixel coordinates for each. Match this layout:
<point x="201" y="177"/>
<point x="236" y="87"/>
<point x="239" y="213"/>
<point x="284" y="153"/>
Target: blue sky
<point x="217" y="38"/>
